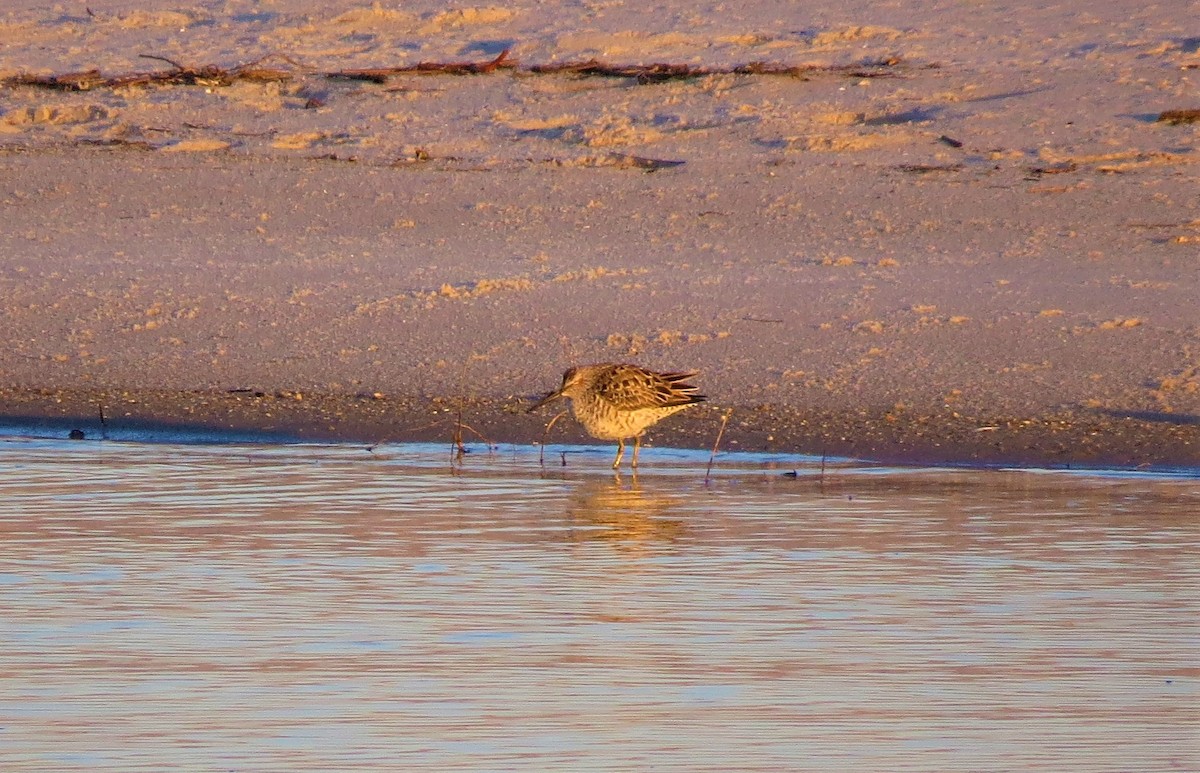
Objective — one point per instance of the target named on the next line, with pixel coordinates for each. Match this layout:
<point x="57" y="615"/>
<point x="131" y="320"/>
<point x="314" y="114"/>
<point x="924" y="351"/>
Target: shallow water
<point x="328" y="608"/>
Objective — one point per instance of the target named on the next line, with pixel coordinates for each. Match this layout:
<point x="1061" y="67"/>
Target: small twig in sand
<point x="171" y="62"/>
<point x="545" y="435"/>
<point x="381" y="74"/>
<point x="716" y="445"/>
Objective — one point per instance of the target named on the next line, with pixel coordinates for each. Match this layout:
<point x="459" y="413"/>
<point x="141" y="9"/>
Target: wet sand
<point x="1066" y="439"/>
<point x="947" y="242"/>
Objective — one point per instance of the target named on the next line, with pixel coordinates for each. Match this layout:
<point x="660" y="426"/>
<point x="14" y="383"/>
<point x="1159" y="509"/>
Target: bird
<point x="615" y="401"/>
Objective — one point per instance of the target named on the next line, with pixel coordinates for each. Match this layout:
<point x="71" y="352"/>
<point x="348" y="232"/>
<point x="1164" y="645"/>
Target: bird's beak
<point x="548" y="398"/>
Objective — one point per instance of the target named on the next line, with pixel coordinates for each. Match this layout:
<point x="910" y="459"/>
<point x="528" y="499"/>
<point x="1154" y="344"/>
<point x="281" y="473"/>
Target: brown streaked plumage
<point x="615" y="401"/>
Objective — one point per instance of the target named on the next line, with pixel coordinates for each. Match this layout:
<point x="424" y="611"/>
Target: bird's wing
<point x="630" y="388"/>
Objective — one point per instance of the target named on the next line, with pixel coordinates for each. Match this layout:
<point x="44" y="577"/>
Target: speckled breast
<point x="603" y="421"/>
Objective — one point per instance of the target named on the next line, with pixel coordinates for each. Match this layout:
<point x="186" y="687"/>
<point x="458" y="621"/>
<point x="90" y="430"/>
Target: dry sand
<point x="962" y="235"/>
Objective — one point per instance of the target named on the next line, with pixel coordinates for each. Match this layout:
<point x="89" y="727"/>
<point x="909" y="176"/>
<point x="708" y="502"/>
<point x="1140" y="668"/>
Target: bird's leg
<point x="620" y="452"/>
<point x="637" y="446"/>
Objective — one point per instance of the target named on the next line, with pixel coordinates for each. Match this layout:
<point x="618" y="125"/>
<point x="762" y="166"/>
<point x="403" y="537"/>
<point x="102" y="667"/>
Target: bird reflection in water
<point x="624" y="514"/>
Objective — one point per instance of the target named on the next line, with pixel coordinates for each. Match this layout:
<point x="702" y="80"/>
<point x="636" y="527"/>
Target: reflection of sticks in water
<point x="545" y="435"/>
<point x="716" y="444"/>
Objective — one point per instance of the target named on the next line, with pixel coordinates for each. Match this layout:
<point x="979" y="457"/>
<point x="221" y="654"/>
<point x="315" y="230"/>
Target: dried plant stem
<point x="463" y="425"/>
<point x="545" y="436"/>
<point x="210" y="75"/>
<point x="716" y="445"/>
<point x="457" y="449"/>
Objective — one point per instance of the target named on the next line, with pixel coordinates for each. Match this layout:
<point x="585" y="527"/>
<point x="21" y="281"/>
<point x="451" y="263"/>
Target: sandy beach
<point x="910" y="232"/>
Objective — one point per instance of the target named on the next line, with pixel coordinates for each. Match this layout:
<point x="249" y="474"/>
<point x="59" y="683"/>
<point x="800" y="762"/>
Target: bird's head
<point x="571" y="378"/>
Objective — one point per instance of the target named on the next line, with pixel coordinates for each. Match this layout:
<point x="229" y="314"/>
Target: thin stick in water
<point x="457" y="449"/>
<point x="716" y="445"/>
<point x="545" y="435"/>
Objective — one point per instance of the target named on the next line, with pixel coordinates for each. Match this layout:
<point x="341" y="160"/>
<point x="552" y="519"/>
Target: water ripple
<point x="325" y="607"/>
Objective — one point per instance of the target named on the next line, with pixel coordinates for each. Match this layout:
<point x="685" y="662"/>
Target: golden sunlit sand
<point x="933" y="234"/>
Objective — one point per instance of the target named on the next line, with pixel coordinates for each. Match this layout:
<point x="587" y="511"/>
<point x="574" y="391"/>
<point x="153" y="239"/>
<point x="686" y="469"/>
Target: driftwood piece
<point x="181" y="75"/>
<point x="663" y="71"/>
<point x="381" y="74"/>
<point x="71" y="81"/>
<point x="659" y="72"/>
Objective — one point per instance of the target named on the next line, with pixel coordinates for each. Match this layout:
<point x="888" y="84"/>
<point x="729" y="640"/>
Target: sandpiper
<point x="615" y="401"/>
